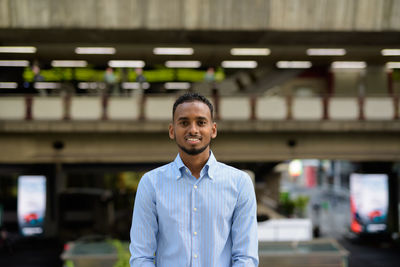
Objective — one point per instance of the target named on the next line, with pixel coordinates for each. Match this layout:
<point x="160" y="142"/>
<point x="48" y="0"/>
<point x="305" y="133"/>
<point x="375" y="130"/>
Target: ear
<point x="171" y="131"/>
<point x="214" y="130"/>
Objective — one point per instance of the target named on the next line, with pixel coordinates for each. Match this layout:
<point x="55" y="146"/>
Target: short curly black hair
<point x="191" y="97"/>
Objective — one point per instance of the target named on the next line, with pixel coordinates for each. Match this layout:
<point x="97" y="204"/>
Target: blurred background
<point x="306" y="97"/>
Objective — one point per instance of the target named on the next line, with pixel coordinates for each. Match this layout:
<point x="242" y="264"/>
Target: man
<point x="194" y="211"/>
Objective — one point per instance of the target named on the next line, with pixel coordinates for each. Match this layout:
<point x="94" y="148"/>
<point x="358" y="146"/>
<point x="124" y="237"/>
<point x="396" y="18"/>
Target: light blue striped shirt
<point x="180" y="221"/>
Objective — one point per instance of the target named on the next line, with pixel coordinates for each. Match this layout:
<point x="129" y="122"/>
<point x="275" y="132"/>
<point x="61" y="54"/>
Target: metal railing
<point x="238" y="107"/>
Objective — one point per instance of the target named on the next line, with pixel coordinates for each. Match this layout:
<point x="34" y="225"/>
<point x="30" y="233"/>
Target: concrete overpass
<point x="102" y="129"/>
<point x="351" y="15"/>
<point x="237" y="141"/>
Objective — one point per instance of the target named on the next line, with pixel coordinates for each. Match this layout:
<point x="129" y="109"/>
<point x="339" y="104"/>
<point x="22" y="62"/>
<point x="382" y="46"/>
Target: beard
<point x="193" y="151"/>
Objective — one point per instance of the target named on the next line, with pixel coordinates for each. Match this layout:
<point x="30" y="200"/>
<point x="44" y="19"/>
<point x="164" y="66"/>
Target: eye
<point x="184" y="123"/>
<point x="202" y="123"/>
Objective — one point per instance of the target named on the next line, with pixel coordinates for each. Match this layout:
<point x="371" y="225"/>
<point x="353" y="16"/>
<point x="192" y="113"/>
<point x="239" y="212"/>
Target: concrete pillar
<point x="55" y="187"/>
<point x="337" y="183"/>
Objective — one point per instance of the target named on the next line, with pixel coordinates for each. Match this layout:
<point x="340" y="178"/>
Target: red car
<point x="31" y="218"/>
<point x="373" y="214"/>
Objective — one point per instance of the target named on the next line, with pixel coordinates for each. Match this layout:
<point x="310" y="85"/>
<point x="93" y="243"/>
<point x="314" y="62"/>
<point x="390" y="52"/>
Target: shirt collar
<point x="178" y="167"/>
<point x="209" y="167"/>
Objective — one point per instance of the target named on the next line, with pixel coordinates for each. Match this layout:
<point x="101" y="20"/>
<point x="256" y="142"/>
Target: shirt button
<point x="187" y="170"/>
<point x="195" y="256"/>
<point x="195" y="187"/>
<point x="194" y="209"/>
<point x="195" y="233"/>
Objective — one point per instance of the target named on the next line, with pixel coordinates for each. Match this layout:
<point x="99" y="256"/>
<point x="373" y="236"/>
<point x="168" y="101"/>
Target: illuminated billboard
<point x="369" y="202"/>
<point x="31" y="204"/>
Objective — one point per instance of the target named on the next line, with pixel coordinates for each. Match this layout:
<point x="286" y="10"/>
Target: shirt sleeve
<point x="144" y="227"/>
<point x="244" y="227"/>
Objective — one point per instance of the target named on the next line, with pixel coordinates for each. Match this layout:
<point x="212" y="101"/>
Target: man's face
<point x="193" y="128"/>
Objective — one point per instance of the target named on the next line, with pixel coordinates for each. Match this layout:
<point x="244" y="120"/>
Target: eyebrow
<point x="197" y="118"/>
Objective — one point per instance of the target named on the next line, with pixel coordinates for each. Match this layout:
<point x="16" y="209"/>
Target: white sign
<point x="369" y="196"/>
<point x="31" y="204"/>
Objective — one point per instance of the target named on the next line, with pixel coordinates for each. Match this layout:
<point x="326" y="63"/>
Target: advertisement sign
<point x="31" y="204"/>
<point x="369" y="202"/>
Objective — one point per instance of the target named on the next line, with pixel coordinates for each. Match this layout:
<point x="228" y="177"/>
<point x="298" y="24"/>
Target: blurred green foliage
<point x="90" y="74"/>
<point x="123" y="253"/>
<point x="293" y="207"/>
<point x="68" y="263"/>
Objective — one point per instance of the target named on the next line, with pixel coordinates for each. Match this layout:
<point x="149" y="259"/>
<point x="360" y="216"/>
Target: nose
<point x="193" y="129"/>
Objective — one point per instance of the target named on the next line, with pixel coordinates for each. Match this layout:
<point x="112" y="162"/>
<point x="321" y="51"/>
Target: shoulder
<point x="164" y="169"/>
<point x="162" y="172"/>
<point x="229" y="170"/>
<point x="233" y="176"/>
<point x="238" y="182"/>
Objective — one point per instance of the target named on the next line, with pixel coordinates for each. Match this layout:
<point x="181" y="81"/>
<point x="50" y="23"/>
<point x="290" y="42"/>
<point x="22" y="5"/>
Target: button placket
<point x="195" y="241"/>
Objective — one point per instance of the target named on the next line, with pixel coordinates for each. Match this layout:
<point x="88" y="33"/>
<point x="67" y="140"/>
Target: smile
<point x="193" y="140"/>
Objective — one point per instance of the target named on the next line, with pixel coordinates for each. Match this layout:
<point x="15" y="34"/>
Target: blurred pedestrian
<point x="111" y="82"/>
<point x="37" y="78"/>
<point x="141" y="80"/>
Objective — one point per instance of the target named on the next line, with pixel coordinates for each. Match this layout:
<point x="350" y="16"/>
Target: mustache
<point x="193" y="136"/>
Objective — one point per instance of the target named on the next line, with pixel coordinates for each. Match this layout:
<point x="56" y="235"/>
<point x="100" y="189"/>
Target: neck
<point x="195" y="162"/>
